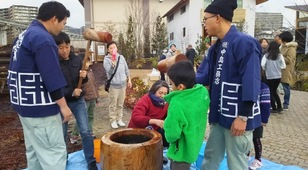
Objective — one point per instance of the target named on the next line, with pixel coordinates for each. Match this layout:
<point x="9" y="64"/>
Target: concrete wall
<point x="117" y="11"/>
<point x="196" y="19"/>
<point x="3" y="38"/>
<point x="250" y="6"/>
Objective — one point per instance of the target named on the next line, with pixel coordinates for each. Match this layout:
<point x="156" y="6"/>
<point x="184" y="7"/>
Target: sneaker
<point x="165" y="160"/>
<point x="92" y="166"/>
<point x="94" y="137"/>
<point x="280" y="110"/>
<point x="285" y="107"/>
<point x="73" y="139"/>
<point x="256" y="164"/>
<point x="114" y="125"/>
<point x="121" y="123"/>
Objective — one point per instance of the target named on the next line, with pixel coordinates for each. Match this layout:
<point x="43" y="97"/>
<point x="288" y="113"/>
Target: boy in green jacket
<point x="187" y="116"/>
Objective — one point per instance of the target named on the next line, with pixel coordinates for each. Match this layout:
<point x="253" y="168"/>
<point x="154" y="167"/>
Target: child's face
<point x="179" y="87"/>
<point x="64" y="50"/>
<point x="161" y="92"/>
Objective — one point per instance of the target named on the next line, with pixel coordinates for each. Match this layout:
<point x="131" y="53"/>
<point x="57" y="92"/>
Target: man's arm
<point x="202" y="75"/>
<point x="66" y="112"/>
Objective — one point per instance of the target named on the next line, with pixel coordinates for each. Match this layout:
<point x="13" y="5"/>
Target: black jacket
<point x="70" y="69"/>
<point x="190" y="54"/>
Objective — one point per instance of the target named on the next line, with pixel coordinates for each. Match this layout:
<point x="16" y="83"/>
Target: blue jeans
<point x="287" y="93"/>
<point x="79" y="109"/>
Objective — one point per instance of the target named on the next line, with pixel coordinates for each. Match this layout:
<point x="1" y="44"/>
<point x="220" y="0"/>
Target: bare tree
<point x="110" y="27"/>
<point x="139" y="11"/>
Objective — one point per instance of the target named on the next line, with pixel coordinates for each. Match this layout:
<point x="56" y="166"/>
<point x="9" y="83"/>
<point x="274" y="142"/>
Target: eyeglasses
<point x="205" y="18"/>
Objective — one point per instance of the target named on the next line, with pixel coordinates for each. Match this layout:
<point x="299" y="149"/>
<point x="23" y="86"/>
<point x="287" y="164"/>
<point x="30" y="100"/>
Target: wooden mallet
<point x="92" y="35"/>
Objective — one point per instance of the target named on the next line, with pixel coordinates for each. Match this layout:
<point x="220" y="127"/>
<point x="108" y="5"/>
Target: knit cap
<point x="224" y="8"/>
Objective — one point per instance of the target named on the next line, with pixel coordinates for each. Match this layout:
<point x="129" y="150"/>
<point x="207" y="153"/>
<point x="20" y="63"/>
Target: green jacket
<point x="186" y="122"/>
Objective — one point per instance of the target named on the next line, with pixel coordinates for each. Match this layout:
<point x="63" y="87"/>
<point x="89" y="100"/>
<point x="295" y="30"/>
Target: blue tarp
<point x="76" y="161"/>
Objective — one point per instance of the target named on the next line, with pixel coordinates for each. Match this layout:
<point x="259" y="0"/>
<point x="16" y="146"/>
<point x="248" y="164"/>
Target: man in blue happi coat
<point x="232" y="72"/>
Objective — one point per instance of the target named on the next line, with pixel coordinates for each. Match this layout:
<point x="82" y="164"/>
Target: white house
<point x="184" y="23"/>
<point x="184" y="20"/>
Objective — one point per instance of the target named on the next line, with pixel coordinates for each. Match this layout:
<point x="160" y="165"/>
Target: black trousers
<point x="273" y="85"/>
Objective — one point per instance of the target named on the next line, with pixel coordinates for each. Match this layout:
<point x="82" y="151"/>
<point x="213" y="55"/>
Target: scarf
<point x="159" y="102"/>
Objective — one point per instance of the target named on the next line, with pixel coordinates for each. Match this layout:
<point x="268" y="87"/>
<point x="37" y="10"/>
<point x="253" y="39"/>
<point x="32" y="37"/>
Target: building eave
<point x="176" y="7"/>
<point x="302" y="8"/>
<point x="81" y="2"/>
<point x="260" y="1"/>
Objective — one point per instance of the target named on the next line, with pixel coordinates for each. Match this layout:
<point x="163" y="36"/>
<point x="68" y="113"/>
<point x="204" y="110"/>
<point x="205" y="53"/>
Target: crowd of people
<point x="234" y="90"/>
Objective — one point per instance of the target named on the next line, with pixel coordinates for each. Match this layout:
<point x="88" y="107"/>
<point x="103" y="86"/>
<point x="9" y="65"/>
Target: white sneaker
<point x="256" y="164"/>
<point x="114" y="125"/>
<point x="121" y="123"/>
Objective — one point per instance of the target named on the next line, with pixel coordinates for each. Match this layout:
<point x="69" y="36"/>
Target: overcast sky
<point x="279" y="6"/>
<point x="77" y="11"/>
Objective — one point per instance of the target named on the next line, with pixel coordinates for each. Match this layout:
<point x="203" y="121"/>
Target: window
<point x="302" y="24"/>
<point x="171" y="36"/>
<point x="184" y="32"/>
<point x="170" y="18"/>
<point x="183" y="9"/>
<point x="240" y="3"/>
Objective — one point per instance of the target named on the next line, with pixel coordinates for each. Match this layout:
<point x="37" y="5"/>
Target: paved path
<point x="285" y="138"/>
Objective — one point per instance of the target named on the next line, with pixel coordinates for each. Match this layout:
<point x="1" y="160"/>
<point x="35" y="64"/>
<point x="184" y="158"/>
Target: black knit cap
<point x="224" y="8"/>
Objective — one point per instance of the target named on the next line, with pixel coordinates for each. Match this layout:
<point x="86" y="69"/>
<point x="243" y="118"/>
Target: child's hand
<point x="82" y="73"/>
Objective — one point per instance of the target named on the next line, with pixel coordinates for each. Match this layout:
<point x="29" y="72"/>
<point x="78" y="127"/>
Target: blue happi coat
<point x="232" y="72"/>
<point x="34" y="72"/>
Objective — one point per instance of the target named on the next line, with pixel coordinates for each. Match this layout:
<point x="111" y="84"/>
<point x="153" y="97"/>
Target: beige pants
<point x="44" y="141"/>
<point x="116" y="102"/>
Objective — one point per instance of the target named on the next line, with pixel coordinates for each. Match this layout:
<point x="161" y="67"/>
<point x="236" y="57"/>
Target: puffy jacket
<point x="288" y="50"/>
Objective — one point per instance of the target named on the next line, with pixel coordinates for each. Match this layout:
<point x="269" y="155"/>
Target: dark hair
<point x="182" y="72"/>
<point x="158" y="84"/>
<point x="108" y="44"/>
<point x="111" y="42"/>
<point x="172" y="45"/>
<point x="261" y="40"/>
<point x="273" y="50"/>
<point x="61" y="38"/>
<point x="50" y="9"/>
<point x="286" y="36"/>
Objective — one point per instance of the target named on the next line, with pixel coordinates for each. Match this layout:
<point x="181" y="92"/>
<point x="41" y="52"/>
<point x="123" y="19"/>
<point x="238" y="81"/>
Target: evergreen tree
<point x="121" y="44"/>
<point x="159" y="37"/>
<point x="147" y="43"/>
<point x="201" y="47"/>
<point x="130" y="43"/>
